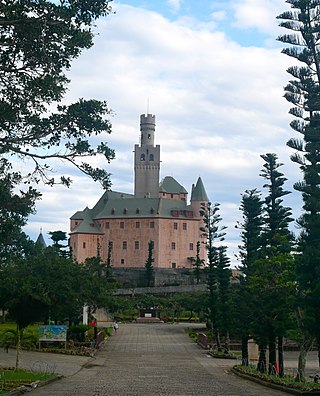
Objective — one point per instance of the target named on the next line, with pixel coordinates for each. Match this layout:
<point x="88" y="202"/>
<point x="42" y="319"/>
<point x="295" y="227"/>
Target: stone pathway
<point x="153" y="359"/>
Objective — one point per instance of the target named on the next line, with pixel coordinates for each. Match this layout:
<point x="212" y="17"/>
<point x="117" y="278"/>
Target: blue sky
<point x="213" y="74"/>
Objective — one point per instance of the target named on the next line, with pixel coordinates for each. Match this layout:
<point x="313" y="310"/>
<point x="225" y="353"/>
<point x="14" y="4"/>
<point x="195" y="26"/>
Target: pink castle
<point x="121" y="225"/>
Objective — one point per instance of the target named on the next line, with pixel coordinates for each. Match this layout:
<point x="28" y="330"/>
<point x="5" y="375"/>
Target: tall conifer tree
<point x="303" y="91"/>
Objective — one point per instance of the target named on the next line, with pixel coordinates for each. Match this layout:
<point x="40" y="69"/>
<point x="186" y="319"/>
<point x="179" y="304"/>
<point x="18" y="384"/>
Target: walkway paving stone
<point x="153" y="360"/>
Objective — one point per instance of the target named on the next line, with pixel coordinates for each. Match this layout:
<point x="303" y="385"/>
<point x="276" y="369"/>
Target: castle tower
<point x="199" y="197"/>
<point x="146" y="160"/>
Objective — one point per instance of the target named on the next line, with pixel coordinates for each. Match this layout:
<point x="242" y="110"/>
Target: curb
<point x="278" y="387"/>
<point x="27" y="388"/>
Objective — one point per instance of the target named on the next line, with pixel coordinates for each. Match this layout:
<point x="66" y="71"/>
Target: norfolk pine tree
<point x="249" y="252"/>
<point x="303" y="91"/>
<point x="149" y="271"/>
<point x="214" y="233"/>
<point x="197" y="263"/>
<point x="271" y="279"/>
<point x="277" y="241"/>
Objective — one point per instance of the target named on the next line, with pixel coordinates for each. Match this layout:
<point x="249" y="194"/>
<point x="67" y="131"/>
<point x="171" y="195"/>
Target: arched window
<point x="142" y="157"/>
<point x="151" y="158"/>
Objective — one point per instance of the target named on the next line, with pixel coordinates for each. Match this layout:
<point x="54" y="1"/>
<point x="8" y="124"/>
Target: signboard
<point x="52" y="333"/>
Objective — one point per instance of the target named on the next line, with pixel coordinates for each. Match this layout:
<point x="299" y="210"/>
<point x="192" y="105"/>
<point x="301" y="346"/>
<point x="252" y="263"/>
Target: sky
<point x="213" y="74"/>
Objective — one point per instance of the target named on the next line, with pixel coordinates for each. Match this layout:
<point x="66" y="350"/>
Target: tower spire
<point x="146" y="160"/>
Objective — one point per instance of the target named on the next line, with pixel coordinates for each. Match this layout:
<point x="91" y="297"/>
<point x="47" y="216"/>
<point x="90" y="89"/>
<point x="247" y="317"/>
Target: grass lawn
<point x="11" y="379"/>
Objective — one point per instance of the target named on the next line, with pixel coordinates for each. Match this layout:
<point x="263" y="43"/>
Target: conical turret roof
<point x="199" y="192"/>
<point x="40" y="240"/>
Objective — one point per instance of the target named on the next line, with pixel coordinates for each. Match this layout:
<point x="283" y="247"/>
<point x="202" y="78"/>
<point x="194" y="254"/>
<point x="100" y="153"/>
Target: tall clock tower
<point x="146" y="160"/>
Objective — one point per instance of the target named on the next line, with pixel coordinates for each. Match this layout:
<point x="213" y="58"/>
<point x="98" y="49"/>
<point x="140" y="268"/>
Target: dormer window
<point x="113" y="211"/>
<point x="152" y="211"/>
<point x="137" y="211"/>
<point x="125" y="211"/>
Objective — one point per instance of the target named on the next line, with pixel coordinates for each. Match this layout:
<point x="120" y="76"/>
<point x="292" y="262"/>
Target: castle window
<point x="142" y="157"/>
<point x="110" y="244"/>
<point x="136" y="245"/>
<point x="124" y="245"/>
<point x="84" y="245"/>
<point x="184" y="226"/>
<point x="122" y="224"/>
<point x="173" y="245"/>
<point x="125" y="211"/>
<point x="175" y="226"/>
<point x="190" y="246"/>
<point x="173" y="265"/>
<point x="137" y="224"/>
<point x="122" y="261"/>
<point x="151" y="157"/>
<point x="151" y="224"/>
<point x="149" y="135"/>
<point x="76" y="223"/>
<point x="107" y="225"/>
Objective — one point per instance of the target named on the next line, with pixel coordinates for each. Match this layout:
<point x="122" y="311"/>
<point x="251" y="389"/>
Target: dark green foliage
<point x="39" y="40"/>
<point x="44" y="285"/>
<point x="214" y="233"/>
<point x="149" y="273"/>
<point x="58" y="236"/>
<point x="250" y="251"/>
<point x="276" y="236"/>
<point x="251" y="228"/>
<point x="197" y="263"/>
<point x="272" y="279"/>
<point x="266" y="290"/>
<point x="303" y="91"/>
<point x="109" y="259"/>
<point x="14" y="210"/>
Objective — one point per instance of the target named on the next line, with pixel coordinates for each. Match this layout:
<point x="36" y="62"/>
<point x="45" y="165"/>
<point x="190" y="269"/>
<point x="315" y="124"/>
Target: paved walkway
<point x="143" y="359"/>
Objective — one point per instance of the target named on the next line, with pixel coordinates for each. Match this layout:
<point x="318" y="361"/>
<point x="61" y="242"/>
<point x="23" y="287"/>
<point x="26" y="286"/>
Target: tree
<point x="109" y="260"/>
<point x="249" y="253"/>
<point x="149" y="271"/>
<point x="303" y="92"/>
<point x="277" y="242"/>
<point x="197" y="263"/>
<point x="214" y="233"/>
<point x="34" y="292"/>
<point x="14" y="210"/>
<point x="223" y="275"/>
<point x="56" y="237"/>
<point x="39" y="40"/>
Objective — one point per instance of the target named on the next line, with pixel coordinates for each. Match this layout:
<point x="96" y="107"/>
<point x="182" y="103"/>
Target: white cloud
<point x="258" y="14"/>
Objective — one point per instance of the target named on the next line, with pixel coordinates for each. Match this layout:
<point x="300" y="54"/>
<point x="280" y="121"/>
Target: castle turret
<point x="199" y="197"/>
<point x="146" y="160"/>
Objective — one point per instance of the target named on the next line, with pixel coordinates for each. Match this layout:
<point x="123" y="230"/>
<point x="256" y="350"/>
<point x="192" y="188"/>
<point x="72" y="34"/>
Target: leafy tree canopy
<point x="39" y="39"/>
<point x="14" y="210"/>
